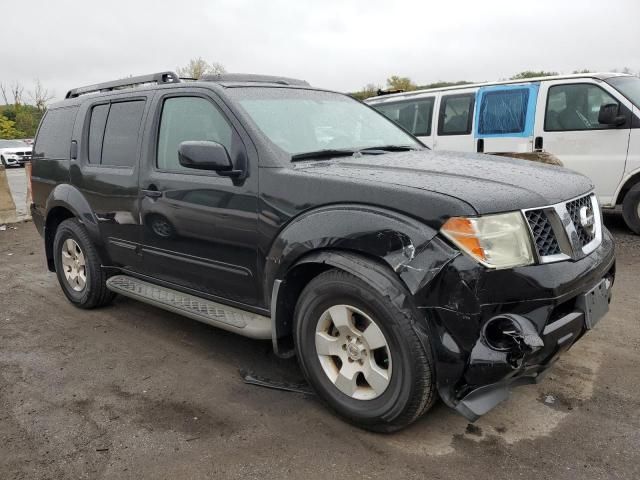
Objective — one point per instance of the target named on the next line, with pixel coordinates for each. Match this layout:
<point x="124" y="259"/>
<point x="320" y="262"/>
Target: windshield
<point x="628" y="86"/>
<point x="12" y="144"/>
<point x="303" y="121"/>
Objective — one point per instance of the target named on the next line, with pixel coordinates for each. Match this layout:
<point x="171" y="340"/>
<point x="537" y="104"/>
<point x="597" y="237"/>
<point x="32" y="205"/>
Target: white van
<point x="590" y="122"/>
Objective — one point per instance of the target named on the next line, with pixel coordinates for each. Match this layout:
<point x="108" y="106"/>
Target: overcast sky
<point x="338" y="44"/>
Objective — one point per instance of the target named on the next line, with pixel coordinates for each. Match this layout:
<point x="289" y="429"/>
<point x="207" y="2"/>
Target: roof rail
<point x="158" y="78"/>
<point x="251" y="77"/>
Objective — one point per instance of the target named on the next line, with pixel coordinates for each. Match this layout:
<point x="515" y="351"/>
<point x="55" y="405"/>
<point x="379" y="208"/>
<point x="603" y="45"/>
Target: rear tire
<point x="631" y="209"/>
<point x="394" y="381"/>
<point x="79" y="266"/>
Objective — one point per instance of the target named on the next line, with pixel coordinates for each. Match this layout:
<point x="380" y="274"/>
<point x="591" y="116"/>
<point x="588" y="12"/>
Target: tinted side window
<point x="456" y="113"/>
<point x="54" y="135"/>
<point x="120" y="144"/>
<point x="503" y="111"/>
<point x="414" y="116"/>
<point x="575" y="107"/>
<point x="188" y="118"/>
<point x="96" y="131"/>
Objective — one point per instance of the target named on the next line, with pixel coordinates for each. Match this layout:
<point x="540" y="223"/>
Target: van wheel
<point x="360" y="353"/>
<point x="631" y="209"/>
<point x="78" y="266"/>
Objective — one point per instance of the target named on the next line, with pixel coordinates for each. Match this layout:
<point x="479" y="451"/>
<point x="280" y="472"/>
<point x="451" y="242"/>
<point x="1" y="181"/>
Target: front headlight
<point x="496" y="241"/>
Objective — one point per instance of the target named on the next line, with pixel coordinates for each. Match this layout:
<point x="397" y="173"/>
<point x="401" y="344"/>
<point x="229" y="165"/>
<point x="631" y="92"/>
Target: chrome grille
<point x="567" y="230"/>
<point x="574" y="208"/>
<point x="543" y="234"/>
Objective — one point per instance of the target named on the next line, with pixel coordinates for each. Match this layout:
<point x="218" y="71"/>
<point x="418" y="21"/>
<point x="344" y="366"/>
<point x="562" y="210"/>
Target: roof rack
<point x="251" y="77"/>
<point x="158" y="78"/>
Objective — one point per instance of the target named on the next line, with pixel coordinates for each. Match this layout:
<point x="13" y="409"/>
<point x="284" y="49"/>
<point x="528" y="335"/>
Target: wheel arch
<point x="376" y="244"/>
<point x="64" y="202"/>
<point x="632" y="181"/>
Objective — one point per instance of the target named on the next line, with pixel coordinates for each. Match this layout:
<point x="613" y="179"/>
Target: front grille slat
<point x="543" y="234"/>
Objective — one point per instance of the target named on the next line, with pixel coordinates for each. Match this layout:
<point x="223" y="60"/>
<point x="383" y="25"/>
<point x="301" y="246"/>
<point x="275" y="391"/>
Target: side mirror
<point x="205" y="155"/>
<point x="608" y="115"/>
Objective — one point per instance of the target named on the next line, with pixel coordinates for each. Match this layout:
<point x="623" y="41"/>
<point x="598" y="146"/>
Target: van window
<point x="120" y="144"/>
<point x="53" y="141"/>
<point x="503" y="111"/>
<point x="414" y="116"/>
<point x="456" y="113"/>
<point x="96" y="131"/>
<point x="188" y="118"/>
<point x="575" y="107"/>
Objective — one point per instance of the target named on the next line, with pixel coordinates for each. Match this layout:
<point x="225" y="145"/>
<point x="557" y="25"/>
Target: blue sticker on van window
<point x="506" y="111"/>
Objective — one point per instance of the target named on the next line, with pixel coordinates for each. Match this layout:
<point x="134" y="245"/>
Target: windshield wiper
<point x="386" y="148"/>
<point x="345" y="152"/>
<point x="329" y="153"/>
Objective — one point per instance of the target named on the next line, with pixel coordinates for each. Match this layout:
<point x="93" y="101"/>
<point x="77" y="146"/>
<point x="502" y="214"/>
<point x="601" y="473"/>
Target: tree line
<point x="22" y="110"/>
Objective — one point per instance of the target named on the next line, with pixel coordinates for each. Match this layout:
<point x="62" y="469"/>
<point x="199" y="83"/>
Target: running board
<point x="222" y="316"/>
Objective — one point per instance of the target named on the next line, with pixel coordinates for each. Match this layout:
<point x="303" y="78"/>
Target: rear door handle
<point x="152" y="193"/>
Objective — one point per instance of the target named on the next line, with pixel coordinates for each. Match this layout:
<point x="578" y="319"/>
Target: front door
<point x="567" y="127"/>
<point x="199" y="228"/>
<point x="505" y="116"/>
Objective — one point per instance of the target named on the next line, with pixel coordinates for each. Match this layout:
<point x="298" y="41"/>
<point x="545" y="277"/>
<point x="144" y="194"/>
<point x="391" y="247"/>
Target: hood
<point x="487" y="183"/>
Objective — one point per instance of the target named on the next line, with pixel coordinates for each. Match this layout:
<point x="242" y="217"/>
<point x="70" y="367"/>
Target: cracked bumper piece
<point x="494" y="330"/>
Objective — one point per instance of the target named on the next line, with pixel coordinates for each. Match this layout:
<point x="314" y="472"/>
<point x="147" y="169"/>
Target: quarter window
<point x="456" y="113"/>
<point x="54" y="135"/>
<point x="188" y="118"/>
<point x="414" y="116"/>
<point x="575" y="107"/>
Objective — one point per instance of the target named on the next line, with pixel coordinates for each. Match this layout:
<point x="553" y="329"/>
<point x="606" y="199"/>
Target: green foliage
<point x="8" y="130"/>
<point x="584" y="70"/>
<point x="532" y="74"/>
<point x="24" y="118"/>
<point x="369" y="90"/>
<point x="400" y="83"/>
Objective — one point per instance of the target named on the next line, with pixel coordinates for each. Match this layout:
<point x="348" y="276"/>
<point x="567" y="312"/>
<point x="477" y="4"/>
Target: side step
<point x="222" y="316"/>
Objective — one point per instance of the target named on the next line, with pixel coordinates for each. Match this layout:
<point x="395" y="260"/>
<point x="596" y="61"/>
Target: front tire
<point x="78" y="266"/>
<point x="361" y="354"/>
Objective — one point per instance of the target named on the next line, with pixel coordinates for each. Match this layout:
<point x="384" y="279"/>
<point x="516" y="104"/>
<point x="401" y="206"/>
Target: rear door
<point x="505" y="117"/>
<point x="108" y="161"/>
<point x="455" y="122"/>
<point x="414" y="115"/>
<point x="567" y="127"/>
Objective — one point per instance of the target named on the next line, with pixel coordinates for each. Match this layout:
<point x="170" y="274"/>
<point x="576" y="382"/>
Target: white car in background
<point x="13" y="153"/>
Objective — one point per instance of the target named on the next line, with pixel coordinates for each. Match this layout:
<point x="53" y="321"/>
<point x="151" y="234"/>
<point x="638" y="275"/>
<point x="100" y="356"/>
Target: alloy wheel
<point x="353" y="352"/>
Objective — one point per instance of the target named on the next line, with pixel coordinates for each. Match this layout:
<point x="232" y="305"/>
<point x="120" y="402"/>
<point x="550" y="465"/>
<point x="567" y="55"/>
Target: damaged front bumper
<point x="492" y="330"/>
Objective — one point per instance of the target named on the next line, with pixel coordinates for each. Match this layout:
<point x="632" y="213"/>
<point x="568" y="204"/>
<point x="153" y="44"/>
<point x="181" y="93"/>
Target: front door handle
<point x="152" y="193"/>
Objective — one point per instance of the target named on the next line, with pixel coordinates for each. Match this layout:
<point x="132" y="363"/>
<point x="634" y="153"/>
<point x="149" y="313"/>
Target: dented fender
<point x="407" y="246"/>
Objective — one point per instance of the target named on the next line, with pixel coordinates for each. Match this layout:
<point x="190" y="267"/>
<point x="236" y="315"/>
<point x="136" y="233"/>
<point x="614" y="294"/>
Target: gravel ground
<point x="131" y="391"/>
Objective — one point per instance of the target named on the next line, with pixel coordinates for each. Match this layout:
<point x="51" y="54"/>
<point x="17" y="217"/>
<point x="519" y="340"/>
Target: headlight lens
<point x="496" y="241"/>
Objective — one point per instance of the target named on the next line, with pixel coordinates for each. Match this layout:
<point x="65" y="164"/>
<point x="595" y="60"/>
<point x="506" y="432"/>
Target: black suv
<point x="279" y="211"/>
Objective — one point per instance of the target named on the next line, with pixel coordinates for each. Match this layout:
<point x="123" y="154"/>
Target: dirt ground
<point x="131" y="391"/>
